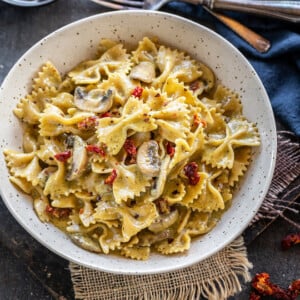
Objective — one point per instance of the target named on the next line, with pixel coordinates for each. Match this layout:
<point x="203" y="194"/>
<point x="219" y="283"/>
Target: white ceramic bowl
<point x="77" y="41"/>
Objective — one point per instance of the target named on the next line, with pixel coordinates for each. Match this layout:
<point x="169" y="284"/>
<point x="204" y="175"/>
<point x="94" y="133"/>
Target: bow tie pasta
<point x="132" y="152"/>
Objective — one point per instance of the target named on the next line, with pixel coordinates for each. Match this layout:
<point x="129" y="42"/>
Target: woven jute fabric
<point x="215" y="278"/>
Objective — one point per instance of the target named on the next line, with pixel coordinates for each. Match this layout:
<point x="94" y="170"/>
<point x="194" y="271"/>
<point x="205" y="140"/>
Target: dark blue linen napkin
<point x="279" y="68"/>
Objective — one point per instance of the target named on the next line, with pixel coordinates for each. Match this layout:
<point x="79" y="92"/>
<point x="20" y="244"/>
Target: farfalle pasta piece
<point x="230" y="101"/>
<point x="179" y="244"/>
<point x="111" y="239"/>
<point x="174" y="192"/>
<point x="166" y="60"/>
<point x="136" y="252"/>
<point x="113" y="131"/>
<point x="54" y="122"/>
<point x="129" y="183"/>
<point x="48" y="77"/>
<point x="145" y="51"/>
<point x="22" y="184"/>
<point x="194" y="191"/>
<point x="210" y="198"/>
<point x="220" y="150"/>
<point x="23" y="165"/>
<point x="57" y="185"/>
<point x="63" y="101"/>
<point x="200" y="223"/>
<point x="29" y="109"/>
<point x="242" y="157"/>
<point x="122" y="86"/>
<point x="114" y="60"/>
<point x="186" y="70"/>
<point x="133" y="218"/>
<point x="69" y="201"/>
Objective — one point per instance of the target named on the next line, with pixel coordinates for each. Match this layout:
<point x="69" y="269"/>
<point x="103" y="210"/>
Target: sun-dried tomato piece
<point x="191" y="172"/>
<point x="170" y="149"/>
<point x="63" y="156"/>
<point x="105" y="115"/>
<point x="290" y="240"/>
<point x="129" y="147"/>
<point x="131" y="151"/>
<point x="197" y="121"/>
<point x="137" y="92"/>
<point x="111" y="178"/>
<point x="58" y="213"/>
<point x="195" y="85"/>
<point x="88" y="123"/>
<point x="95" y="149"/>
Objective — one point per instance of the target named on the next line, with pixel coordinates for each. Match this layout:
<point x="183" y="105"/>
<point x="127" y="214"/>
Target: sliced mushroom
<point x="148" y="158"/>
<point x="140" y="137"/>
<point x="144" y="71"/>
<point x="85" y="242"/>
<point x="79" y="159"/>
<point x="164" y="221"/>
<point x="149" y="238"/>
<point x="95" y="100"/>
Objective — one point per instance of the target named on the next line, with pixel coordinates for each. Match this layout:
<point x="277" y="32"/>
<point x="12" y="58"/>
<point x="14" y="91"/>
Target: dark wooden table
<point x="27" y="269"/>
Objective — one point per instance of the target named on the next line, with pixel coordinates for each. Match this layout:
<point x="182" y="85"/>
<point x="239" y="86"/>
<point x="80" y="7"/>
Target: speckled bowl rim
<point x="210" y="45"/>
<point x="25" y="3"/>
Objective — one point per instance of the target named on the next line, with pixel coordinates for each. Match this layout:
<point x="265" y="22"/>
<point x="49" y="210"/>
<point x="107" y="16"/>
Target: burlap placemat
<point x="215" y="278"/>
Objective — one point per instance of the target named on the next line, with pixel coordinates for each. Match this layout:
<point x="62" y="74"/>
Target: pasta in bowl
<point x="135" y="149"/>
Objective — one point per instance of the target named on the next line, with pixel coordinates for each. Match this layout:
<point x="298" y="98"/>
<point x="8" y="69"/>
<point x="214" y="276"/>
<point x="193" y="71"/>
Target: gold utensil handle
<point x="255" y="40"/>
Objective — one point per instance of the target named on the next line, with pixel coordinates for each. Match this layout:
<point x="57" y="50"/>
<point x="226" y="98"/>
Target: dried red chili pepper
<point x="290" y="240"/>
<point x="191" y="172"/>
<point x="95" y="149"/>
<point x="294" y="288"/>
<point x="137" y="92"/>
<point x="88" y="123"/>
<point x="254" y="296"/>
<point x="170" y="149"/>
<point x="63" y="156"/>
<point x="58" y="213"/>
<point x="111" y="178"/>
<point x="261" y="283"/>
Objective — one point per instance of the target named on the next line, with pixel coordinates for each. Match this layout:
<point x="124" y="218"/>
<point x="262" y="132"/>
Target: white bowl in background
<point x="78" y="41"/>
